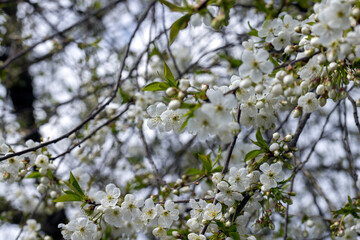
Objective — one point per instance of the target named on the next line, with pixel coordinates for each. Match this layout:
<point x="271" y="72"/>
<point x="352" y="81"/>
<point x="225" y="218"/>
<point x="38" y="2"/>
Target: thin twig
<point x="100" y="108"/>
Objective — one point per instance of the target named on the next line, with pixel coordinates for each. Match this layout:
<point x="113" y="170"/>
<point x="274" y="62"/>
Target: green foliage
<point x="180" y="24"/>
<point x="76" y="194"/>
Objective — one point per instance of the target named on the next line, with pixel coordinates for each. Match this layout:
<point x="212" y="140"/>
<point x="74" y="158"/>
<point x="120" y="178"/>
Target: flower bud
<point x="276" y="136"/>
<point x="171" y="91"/>
<point x="315" y="42"/>
<point x="296" y="113"/>
<point x="306" y="30"/>
<point x="332" y="66"/>
<point x="181" y="95"/>
<point x="355" y="12"/>
<point x="320" y="90"/>
<point x="259" y="88"/>
<point x="276" y="90"/>
<point x="245" y="83"/>
<point x="174" y="104"/>
<point x="288" y="138"/>
<point x="289" y="49"/>
<point x="53" y="194"/>
<point x="321" y="58"/>
<point x="274" y="147"/>
<point x="41" y="188"/>
<point x="322" y="101"/>
<point x="289" y="79"/>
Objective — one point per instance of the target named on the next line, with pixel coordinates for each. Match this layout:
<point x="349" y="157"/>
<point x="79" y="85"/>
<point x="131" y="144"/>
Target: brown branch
<point x="30" y="48"/>
<point x="90" y="135"/>
<point x="355" y="113"/>
<point x="159" y="180"/>
<point x="100" y="107"/>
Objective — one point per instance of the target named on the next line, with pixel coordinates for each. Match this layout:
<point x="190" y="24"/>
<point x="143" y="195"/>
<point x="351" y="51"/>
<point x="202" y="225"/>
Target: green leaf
<point x="206" y="161"/>
<point x="194" y="171"/>
<point x="156" y="86"/>
<point x="263" y="144"/>
<point x="69" y="198"/>
<point x="253" y="154"/>
<point x="34" y="175"/>
<point x="253" y="31"/>
<point x="217" y="169"/>
<point x="173" y="7"/>
<point x="76" y="185"/>
<point x="180" y="24"/>
<point x="235" y="235"/>
<point x="276" y="64"/>
<point x="169" y="77"/>
<point x="218" y="156"/>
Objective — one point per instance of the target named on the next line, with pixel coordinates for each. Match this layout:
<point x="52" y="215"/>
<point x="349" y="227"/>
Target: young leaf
<point x="217" y="169"/>
<point x="218" y="156"/>
<point x="69" y="198"/>
<point x="207" y="164"/>
<point x="156" y="86"/>
<point x="253" y="154"/>
<point x="263" y="144"/>
<point x="169" y="77"/>
<point x="194" y="171"/>
<point x="76" y="185"/>
<point x="180" y="24"/>
<point x="34" y="175"/>
<point x="173" y="7"/>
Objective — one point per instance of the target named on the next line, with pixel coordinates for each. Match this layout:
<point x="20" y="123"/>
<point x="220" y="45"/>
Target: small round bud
<point x="289" y="49"/>
<point x="227" y="215"/>
<point x="332" y="94"/>
<point x="259" y="88"/>
<point x="280" y="74"/>
<point x="276" y="90"/>
<point x="286" y="147"/>
<point x="297" y="29"/>
<point x="296" y="113"/>
<point x="304" y="85"/>
<point x="288" y="138"/>
<point x="276" y="153"/>
<point x="355" y="12"/>
<point x="306" y="30"/>
<point x="44" y="180"/>
<point x="185" y="189"/>
<point x="181" y="95"/>
<point x="309" y="52"/>
<point x="175" y="234"/>
<point x="43" y="171"/>
<point x="322" y="101"/>
<point x="53" y="194"/>
<point x="332" y="66"/>
<point x="274" y="147"/>
<point x="171" y="91"/>
<point x="320" y="90"/>
<point x="228" y="224"/>
<point x="41" y="188"/>
<point x="259" y="105"/>
<point x="331" y="56"/>
<point x="321" y="58"/>
<point x="174" y="104"/>
<point x="289" y="79"/>
<point x="276" y="136"/>
<point x="231" y="210"/>
<point x="204" y="87"/>
<point x="245" y="83"/>
<point x="315" y="42"/>
<point x="59" y="205"/>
